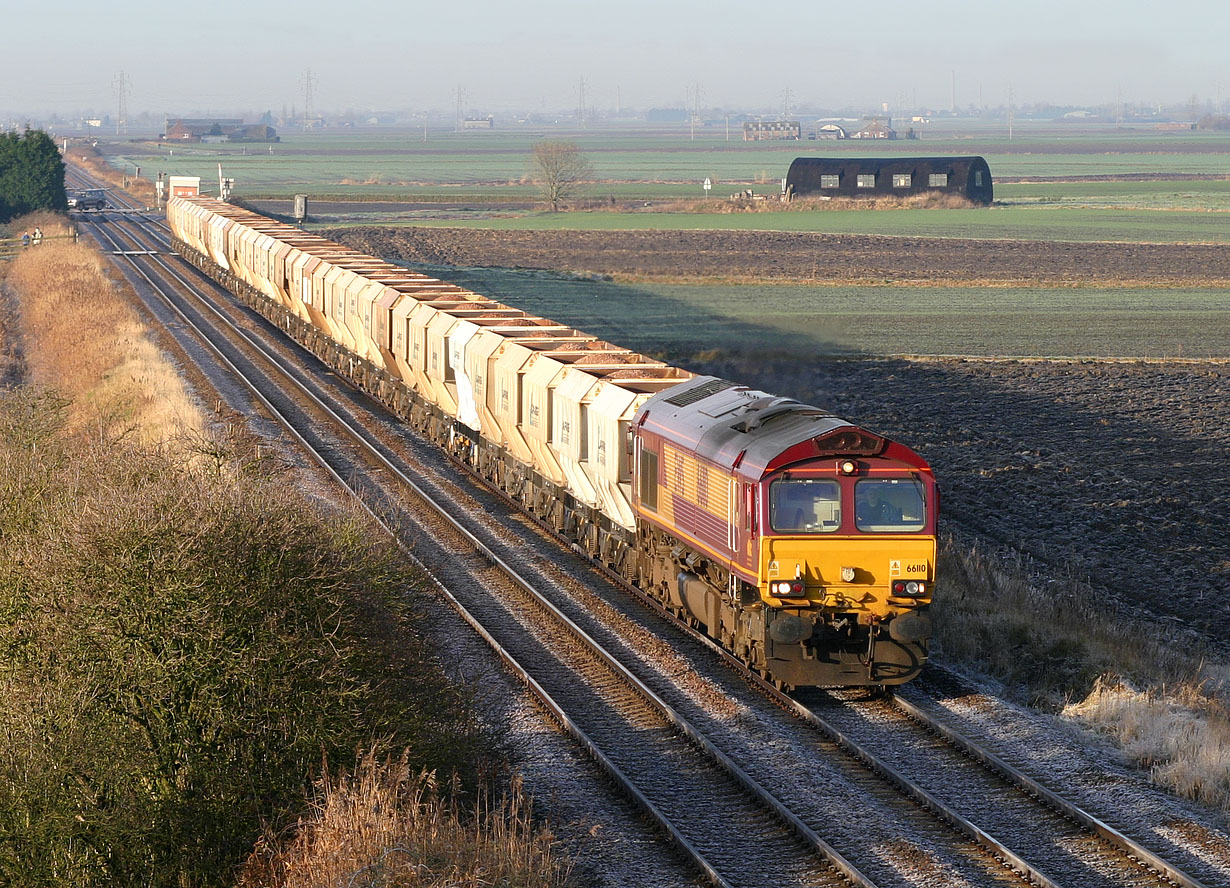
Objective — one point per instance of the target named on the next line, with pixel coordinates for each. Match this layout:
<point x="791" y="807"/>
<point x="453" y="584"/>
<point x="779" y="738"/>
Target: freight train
<point x="803" y="544"/>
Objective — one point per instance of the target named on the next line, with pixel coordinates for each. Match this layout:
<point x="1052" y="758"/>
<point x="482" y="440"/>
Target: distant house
<point x="487" y="122"/>
<point x="851" y="177"/>
<point x="877" y="130"/>
<point x="764" y="130"/>
<point x="831" y="131"/>
<point x="217" y="129"/>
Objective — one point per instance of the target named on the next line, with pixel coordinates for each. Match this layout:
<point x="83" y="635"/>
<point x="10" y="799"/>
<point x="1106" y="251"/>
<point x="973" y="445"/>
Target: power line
<point x="309" y="88"/>
<point x="121" y="85"/>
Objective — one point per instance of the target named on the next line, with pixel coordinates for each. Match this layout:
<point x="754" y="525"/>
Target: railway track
<point x="634" y="718"/>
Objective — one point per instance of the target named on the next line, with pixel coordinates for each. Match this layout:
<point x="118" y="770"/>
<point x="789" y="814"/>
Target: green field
<point x="800" y="321"/>
<point x="1009" y="222"/>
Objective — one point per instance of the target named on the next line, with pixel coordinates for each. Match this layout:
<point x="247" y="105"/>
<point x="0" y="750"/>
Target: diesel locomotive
<point x="802" y="543"/>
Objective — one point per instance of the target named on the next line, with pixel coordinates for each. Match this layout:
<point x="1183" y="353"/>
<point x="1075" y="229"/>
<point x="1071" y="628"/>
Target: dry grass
<point x="1179" y="733"/>
<point x="1054" y="645"/>
<point x="84" y="340"/>
<point x="384" y="825"/>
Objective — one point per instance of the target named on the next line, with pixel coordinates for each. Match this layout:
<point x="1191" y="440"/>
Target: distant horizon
<point x="440" y="116"/>
<point x="492" y="57"/>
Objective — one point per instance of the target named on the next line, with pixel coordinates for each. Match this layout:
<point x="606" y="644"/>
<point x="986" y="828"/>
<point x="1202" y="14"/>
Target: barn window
<point x="901" y="180"/>
<point x="938" y="180"/>
<point x="977" y="178"/>
<point x="866" y="180"/>
<point x="830" y="180"/>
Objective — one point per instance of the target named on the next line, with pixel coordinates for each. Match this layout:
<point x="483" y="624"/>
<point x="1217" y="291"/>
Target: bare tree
<point x="559" y="168"/>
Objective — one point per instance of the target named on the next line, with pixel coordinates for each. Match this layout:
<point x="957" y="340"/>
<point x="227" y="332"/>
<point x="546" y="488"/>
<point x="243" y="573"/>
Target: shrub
<point x="31" y="174"/>
<point x="180" y="653"/>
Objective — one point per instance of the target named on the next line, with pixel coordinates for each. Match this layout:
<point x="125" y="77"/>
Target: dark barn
<point x="969" y="177"/>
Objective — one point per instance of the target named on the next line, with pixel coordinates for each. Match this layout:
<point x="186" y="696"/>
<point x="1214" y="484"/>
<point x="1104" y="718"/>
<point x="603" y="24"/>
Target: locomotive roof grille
<point x="700" y="392"/>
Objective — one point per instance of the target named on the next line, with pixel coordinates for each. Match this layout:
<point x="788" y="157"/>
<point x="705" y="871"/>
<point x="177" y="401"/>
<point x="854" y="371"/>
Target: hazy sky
<point x="241" y="55"/>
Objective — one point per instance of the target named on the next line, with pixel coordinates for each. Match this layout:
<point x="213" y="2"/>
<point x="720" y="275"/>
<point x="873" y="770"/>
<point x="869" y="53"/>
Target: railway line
<point x="850" y="791"/>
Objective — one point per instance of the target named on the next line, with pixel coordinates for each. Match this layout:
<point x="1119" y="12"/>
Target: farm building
<point x="877" y="130"/>
<point x="969" y="177"/>
<point x="217" y="129"/>
<point x="763" y="130"/>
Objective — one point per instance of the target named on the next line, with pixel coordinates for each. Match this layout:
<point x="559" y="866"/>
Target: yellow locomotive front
<point x="803" y="543"/>
<point x="847" y="564"/>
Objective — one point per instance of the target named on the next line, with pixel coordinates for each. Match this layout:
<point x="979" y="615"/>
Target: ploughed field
<point x="790" y="256"/>
<point x="1105" y="474"/>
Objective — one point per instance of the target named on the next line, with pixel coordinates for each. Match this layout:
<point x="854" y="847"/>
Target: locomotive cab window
<point x="804" y="505"/>
<point x="890" y="505"/>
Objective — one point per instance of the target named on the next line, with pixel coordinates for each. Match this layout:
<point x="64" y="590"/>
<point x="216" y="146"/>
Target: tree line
<point x="31" y="174"/>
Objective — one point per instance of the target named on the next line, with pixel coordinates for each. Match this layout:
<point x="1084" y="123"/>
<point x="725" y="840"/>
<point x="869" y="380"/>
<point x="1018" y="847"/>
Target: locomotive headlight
<point x="910" y="588"/>
<point x="786" y="588"/>
<point x="847" y="467"/>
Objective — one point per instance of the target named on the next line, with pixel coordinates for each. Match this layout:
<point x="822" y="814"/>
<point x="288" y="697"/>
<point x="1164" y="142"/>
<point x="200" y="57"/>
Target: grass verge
<point x="116" y="379"/>
<point x="383" y="824"/>
<point x="1058" y="649"/>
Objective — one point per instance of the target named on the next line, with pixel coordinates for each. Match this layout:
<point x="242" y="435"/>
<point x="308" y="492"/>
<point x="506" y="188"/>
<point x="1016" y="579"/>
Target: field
<point x="1035" y="222"/>
<point x="798" y="320"/>
<point x="1058" y="182"/>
